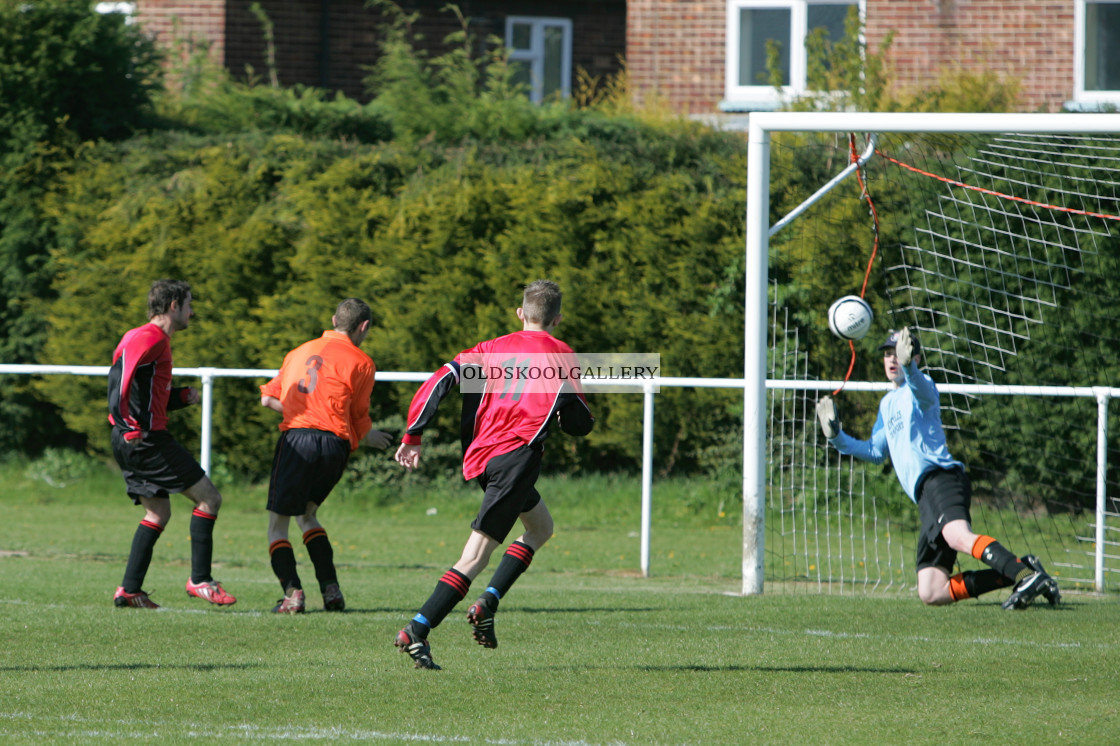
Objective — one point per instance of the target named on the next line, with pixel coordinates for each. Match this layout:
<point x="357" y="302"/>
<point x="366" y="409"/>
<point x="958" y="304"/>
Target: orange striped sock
<point x="996" y="556"/>
<point x="322" y="556"/>
<point x="957" y="587"/>
<point x="980" y="545"/>
<point x="277" y="545"/>
<point x="283" y="561"/>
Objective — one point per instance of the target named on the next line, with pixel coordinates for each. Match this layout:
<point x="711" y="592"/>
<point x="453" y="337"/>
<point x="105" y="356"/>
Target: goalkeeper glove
<point x="826" y="413"/>
<point x="904" y="347"/>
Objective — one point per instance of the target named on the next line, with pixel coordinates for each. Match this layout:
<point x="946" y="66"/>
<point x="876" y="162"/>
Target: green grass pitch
<point x="589" y="652"/>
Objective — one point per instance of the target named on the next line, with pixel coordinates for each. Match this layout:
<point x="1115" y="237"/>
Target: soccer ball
<point x="850" y="317"/>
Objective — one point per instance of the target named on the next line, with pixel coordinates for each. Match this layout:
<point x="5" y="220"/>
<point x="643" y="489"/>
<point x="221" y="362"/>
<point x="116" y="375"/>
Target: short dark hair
<point x="164" y="293"/>
<point x="350" y="314"/>
<point x="541" y="303"/>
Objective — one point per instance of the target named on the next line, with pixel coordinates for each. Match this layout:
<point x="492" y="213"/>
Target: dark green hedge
<point x="67" y="74"/>
<point x="636" y="223"/>
<point x="436" y="202"/>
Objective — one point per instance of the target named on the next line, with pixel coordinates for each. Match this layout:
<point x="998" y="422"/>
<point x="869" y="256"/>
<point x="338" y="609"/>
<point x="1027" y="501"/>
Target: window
<point x="1097" y="51"/>
<point x="541" y="54"/>
<point x="128" y="9"/>
<point x="751" y="24"/>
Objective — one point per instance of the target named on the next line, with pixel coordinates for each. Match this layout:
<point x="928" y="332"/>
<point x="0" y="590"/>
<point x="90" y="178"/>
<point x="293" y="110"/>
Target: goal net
<point x="997" y="238"/>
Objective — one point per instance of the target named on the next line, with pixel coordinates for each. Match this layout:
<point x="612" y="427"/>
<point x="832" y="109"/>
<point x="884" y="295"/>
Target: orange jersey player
<point x="322" y="390"/>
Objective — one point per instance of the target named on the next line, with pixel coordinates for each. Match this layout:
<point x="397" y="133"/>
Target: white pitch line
<point x="151" y="729"/>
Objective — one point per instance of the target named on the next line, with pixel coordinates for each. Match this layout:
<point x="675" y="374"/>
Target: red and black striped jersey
<point x="140" y="392"/>
<point x="525" y="381"/>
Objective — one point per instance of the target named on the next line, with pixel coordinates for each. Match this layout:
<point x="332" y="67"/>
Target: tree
<point x="67" y="74"/>
<point x="66" y="67"/>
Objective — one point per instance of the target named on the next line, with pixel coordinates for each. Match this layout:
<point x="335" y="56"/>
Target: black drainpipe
<point x="324" y="43"/>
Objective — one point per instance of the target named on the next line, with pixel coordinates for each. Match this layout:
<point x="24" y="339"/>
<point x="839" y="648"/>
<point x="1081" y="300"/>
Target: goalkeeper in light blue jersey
<point x="908" y="429"/>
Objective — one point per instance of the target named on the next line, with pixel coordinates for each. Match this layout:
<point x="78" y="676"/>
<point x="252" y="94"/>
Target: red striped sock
<point x="450" y="590"/>
<point x="515" y="561"/>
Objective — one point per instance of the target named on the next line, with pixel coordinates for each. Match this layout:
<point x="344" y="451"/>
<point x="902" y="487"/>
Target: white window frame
<point x="128" y="9"/>
<point x="766" y="96"/>
<point x="534" y="56"/>
<point x="1080" y="95"/>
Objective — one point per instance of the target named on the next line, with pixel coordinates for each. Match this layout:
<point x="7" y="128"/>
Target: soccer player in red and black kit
<point x="530" y="379"/>
<point x="152" y="462"/>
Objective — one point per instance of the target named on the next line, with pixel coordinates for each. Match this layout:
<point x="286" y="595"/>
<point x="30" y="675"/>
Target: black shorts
<point x="508" y="484"/>
<point x="307" y="465"/>
<point x="944" y="495"/>
<point x="154" y="466"/>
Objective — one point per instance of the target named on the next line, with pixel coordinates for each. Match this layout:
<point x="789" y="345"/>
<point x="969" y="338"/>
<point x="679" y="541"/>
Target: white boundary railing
<point x="207" y="376"/>
<point x="1102" y="395"/>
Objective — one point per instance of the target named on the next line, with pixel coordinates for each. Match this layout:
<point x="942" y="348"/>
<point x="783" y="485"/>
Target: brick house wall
<point x="676" y="48"/>
<point x="202" y="20"/>
<point x="1031" y="40"/>
<point x="350" y="33"/>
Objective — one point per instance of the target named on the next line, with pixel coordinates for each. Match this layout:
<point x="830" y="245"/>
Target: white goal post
<point x="757" y="279"/>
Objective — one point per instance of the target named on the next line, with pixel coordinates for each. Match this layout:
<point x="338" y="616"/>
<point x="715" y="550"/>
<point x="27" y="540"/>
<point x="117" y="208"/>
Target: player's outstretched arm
<point x="873" y="450"/>
<point x="925" y="391"/>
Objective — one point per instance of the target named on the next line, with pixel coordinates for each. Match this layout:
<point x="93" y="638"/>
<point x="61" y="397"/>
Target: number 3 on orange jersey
<point x="308" y="384"/>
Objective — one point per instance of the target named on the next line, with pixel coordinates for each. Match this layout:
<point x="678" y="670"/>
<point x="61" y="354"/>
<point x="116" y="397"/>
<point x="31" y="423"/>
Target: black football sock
<point x="283" y="559"/>
<point x="974" y="583"/>
<point x="202" y="545"/>
<point x="992" y="553"/>
<point x="322" y="556"/>
<point x="140" y="556"/>
<point x="979" y="582"/>
<point x="515" y="561"/>
<point x="450" y="590"/>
